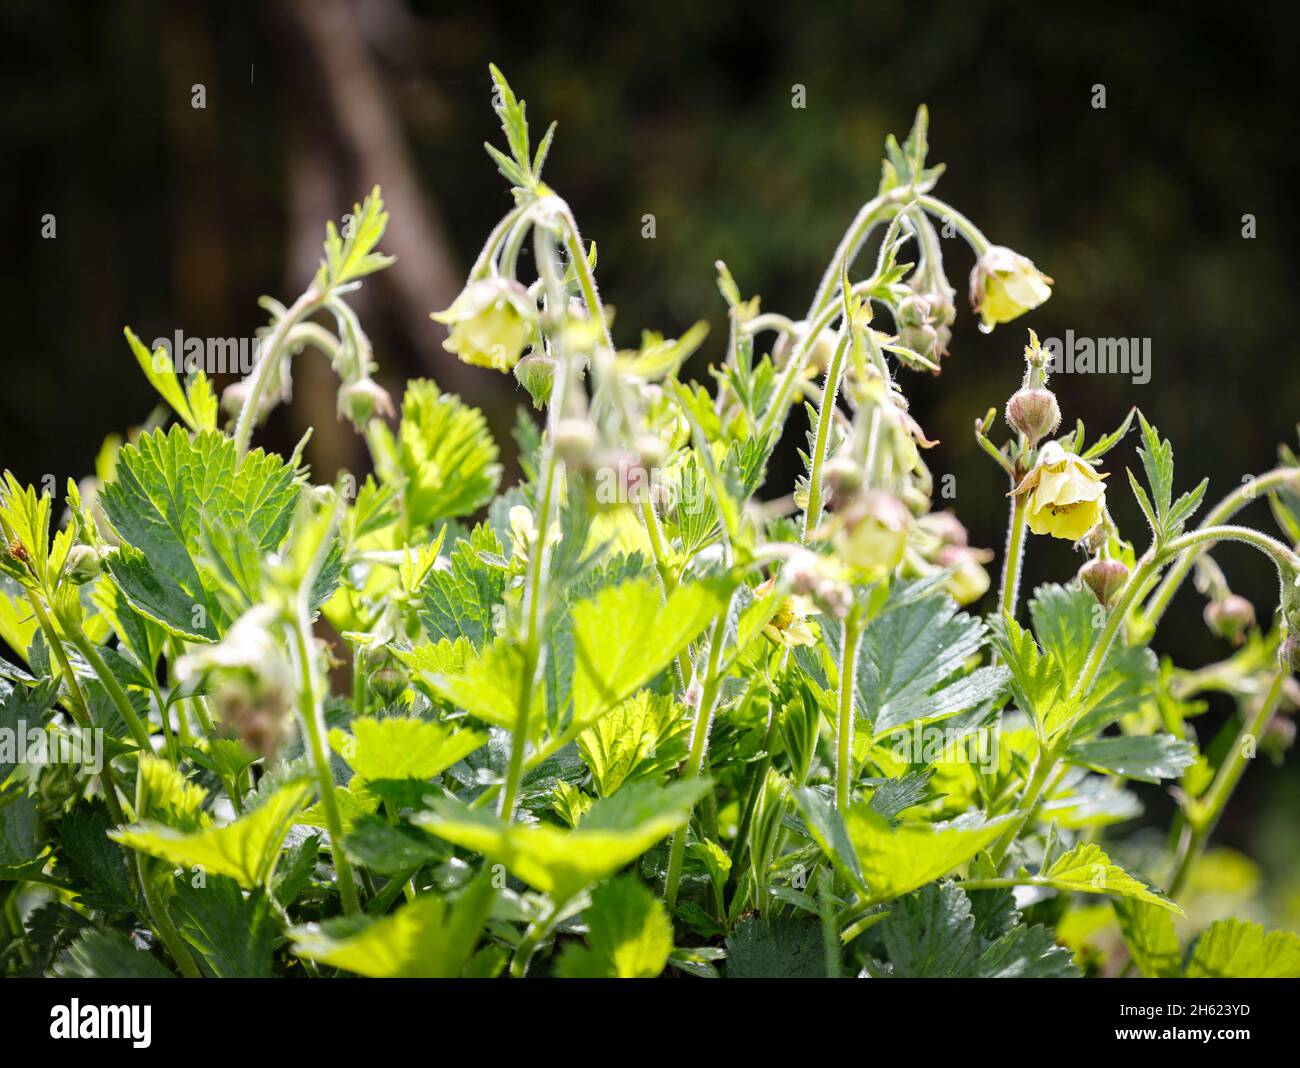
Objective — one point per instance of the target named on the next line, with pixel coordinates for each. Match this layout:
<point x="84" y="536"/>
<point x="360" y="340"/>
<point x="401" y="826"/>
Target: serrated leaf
<point x="246" y="850"/>
<point x="561" y="863"/>
<point x="1037" y="679"/>
<point x="446" y="455"/>
<point x="1087" y="869"/>
<point x="352" y="257"/>
<point x="780" y="947"/>
<point x="1151" y="938"/>
<point x="402" y="747"/>
<point x="108" y="955"/>
<point x="167" y="486"/>
<point x="909" y="661"/>
<point x="96" y="867"/>
<point x="625" y="635"/>
<point x="634" y="740"/>
<point x="459" y="601"/>
<point x="1147" y="758"/>
<point x="629" y="935"/>
<point x="1235" y="949"/>
<point x="388" y="849"/>
<point x="159" y="368"/>
<point x="429" y="938"/>
<point x="935" y="933"/>
<point x="235" y="934"/>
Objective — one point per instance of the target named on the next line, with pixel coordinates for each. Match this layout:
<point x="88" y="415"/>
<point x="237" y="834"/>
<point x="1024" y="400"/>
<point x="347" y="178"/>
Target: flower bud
<point x="1288" y="653"/>
<point x="82" y="564"/>
<point x="1105" y="577"/>
<point x="1230" y="618"/>
<point x="1034" y="413"/>
<point x="968" y="581"/>
<point x="385" y="674"/>
<point x="843" y="477"/>
<point x="945" y="526"/>
<point x="650" y="448"/>
<point x="360" y="400"/>
<point x="535" y="373"/>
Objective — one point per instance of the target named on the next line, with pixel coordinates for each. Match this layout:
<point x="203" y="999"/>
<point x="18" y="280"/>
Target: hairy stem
<point x="1015" y="555"/>
<point x="1204" y="813"/>
<point x="699" y="745"/>
<point x="844" y="741"/>
<point x="267" y="363"/>
<point x="834" y="372"/>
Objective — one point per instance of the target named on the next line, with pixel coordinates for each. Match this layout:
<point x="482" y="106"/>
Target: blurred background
<point x="174" y="217"/>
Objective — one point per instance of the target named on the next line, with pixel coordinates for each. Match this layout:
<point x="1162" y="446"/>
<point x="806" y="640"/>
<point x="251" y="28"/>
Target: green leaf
<point x="625" y="635"/>
<point x="22" y="854"/>
<point x="166" y="487"/>
<point x="910" y="664"/>
<point x="513" y="120"/>
<point x="96" y="867"/>
<point x="781" y="947"/>
<point x="159" y="368"/>
<point x="459" y="601"/>
<point x="486" y="684"/>
<point x="1157" y="457"/>
<point x="429" y="938"/>
<point x="235" y="934"/>
<point x="629" y="935"/>
<point x="402" y="747"/>
<point x="897" y="860"/>
<point x="1151" y="938"/>
<point x="828" y="830"/>
<point x="562" y="863"/>
<point x="1037" y="680"/>
<point x="1234" y="949"/>
<point x="389" y="849"/>
<point x="1149" y="759"/>
<point x="644" y="735"/>
<point x="935" y="933"/>
<point x="108" y="955"/>
<point x="246" y="850"/>
<point x="352" y="257"/>
<point x="446" y="455"/>
<point x="1087" y="869"/>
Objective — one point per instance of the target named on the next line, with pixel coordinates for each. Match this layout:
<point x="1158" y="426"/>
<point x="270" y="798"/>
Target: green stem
<point x="699" y="745"/>
<point x="162" y="924"/>
<point x="269" y="361"/>
<point x="1038" y="780"/>
<point x="532" y="938"/>
<point x="834" y="372"/>
<point x="844" y="742"/>
<point x="1204" y="813"/>
<point x="77" y="702"/>
<point x="1015" y="555"/>
<point x="123" y="703"/>
<point x="972" y="233"/>
<point x="1149" y="617"/>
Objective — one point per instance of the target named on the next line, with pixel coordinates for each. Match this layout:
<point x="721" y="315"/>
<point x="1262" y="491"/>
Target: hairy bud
<point x="1105" y="577"/>
<point x="1034" y="413"/>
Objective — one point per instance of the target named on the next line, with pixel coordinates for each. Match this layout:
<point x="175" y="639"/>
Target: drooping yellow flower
<point x="1004" y="285"/>
<point x="1066" y="496"/>
<point x="874" y="534"/>
<point x="491" y="323"/>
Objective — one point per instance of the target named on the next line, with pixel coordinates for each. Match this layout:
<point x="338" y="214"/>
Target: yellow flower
<point x="874" y="534"/>
<point x="1066" y="496"/>
<point x="491" y="323"/>
<point x="789" y="625"/>
<point x="968" y="581"/>
<point x="1004" y="285"/>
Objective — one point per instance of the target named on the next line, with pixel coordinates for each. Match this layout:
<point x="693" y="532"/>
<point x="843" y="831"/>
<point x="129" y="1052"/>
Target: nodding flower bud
<point x="843" y="477"/>
<point x="1230" y="618"/>
<point x="575" y="440"/>
<point x="1004" y="285"/>
<point x="1105" y="577"/>
<point x="1033" y="412"/>
<point x="1288" y="653"/>
<point x="360" y="400"/>
<point x="874" y="533"/>
<point x="535" y="373"/>
<point x="83" y="563"/>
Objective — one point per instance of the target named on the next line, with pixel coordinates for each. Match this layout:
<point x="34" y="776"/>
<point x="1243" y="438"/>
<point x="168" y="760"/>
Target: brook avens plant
<point x="642" y="711"/>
